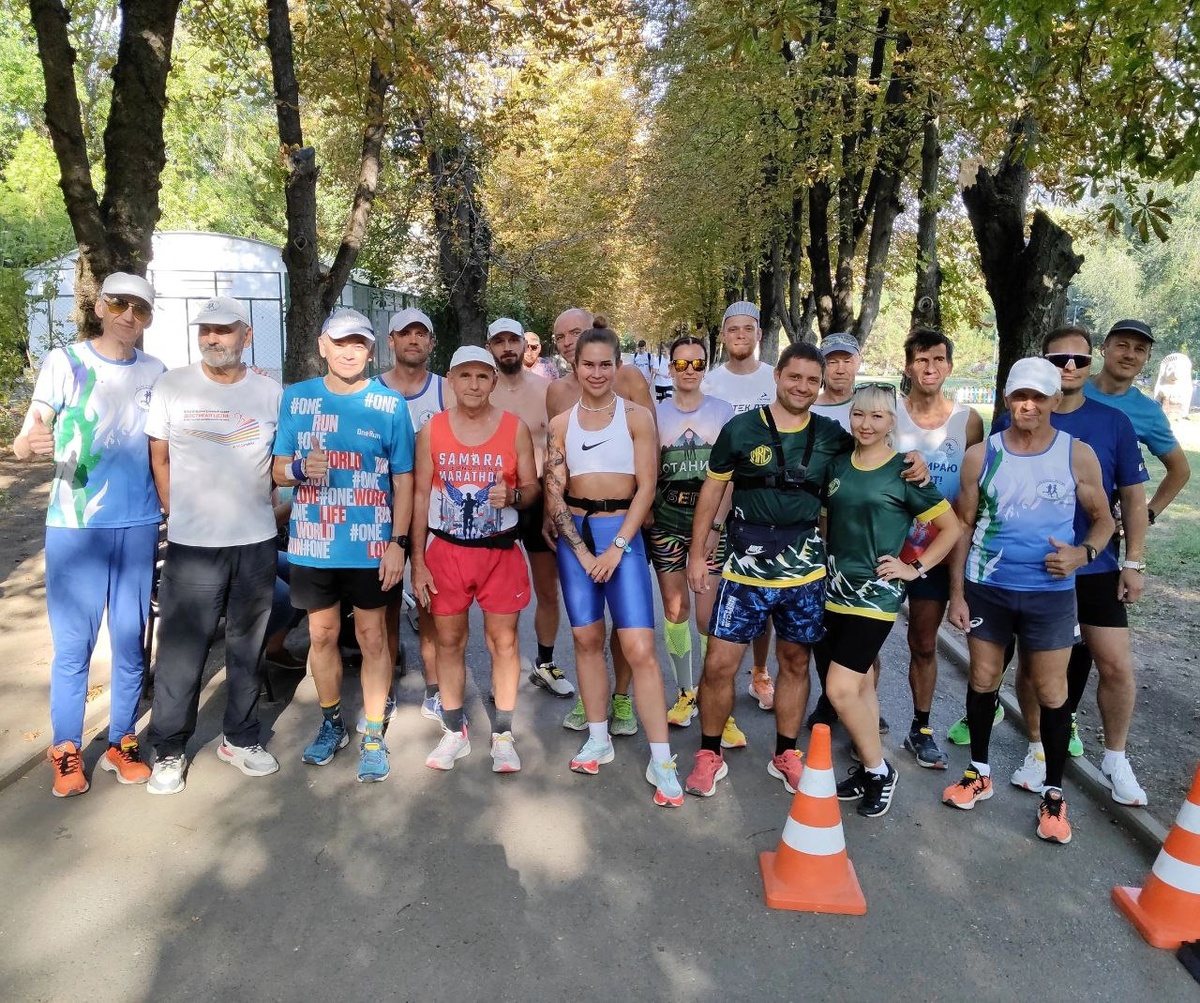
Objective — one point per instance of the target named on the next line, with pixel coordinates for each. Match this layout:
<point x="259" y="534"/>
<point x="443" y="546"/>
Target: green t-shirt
<point x="745" y="449"/>
<point x="869" y="514"/>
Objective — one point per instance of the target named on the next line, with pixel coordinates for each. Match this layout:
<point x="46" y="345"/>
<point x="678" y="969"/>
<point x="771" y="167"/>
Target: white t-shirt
<point x="220" y="437"/>
<point x="756" y="389"/>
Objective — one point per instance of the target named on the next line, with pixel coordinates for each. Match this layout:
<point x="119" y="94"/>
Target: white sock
<point x="1112" y="759"/>
<point x="981" y="768"/>
<point x="598" y="730"/>
<point x="660" y="752"/>
<point x="1037" y="749"/>
<point x="880" y="771"/>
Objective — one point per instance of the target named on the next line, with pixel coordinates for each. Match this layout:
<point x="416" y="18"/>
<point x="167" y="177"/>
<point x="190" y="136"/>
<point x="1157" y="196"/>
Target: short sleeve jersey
<point x="463" y="475"/>
<point x="345" y="520"/>
<point x="745" y="393"/>
<point x="686" y="439"/>
<point x="1149" y="421"/>
<point x="220" y="437"/>
<point x="744" y="451"/>
<point x="869" y="515"/>
<point x="1110" y="434"/>
<point x="101" y="453"/>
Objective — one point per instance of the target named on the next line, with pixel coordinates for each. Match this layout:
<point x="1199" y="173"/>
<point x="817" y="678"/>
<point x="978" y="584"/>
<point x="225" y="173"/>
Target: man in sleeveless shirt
<point x="523" y="393"/>
<point x="1019" y="490"/>
<point x="941" y="430"/>
<point x="474" y="469"/>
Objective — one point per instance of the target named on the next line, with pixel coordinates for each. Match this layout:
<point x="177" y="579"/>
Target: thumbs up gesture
<point x="498" y="496"/>
<point x="316" y="465"/>
<point x="1064" y="559"/>
<point x="41" y="435"/>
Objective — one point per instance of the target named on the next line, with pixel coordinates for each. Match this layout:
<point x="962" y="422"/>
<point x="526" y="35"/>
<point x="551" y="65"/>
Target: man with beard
<point x="523" y="393"/>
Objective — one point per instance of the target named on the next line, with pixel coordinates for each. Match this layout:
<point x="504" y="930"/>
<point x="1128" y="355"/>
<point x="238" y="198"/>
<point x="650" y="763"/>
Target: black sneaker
<point x="877" y="797"/>
<point x="823" y="713"/>
<point x="921" y="744"/>
<point x="852" y="788"/>
<point x="884" y="727"/>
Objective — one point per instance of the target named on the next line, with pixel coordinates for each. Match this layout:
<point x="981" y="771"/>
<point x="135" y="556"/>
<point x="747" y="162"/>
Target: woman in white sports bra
<point x="601" y="468"/>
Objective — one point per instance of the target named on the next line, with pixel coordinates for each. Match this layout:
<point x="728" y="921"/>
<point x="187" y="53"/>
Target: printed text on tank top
<point x="607" y="450"/>
<point x="464" y="470"/>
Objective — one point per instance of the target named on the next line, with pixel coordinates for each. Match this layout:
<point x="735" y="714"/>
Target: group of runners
<point x="787" y="500"/>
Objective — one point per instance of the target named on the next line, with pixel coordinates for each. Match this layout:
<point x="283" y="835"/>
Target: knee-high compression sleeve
<point x="679" y="646"/>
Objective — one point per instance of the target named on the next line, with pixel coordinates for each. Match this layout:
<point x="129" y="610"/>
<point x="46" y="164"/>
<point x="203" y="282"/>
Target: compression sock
<point x="679" y="646"/>
<point x="545" y="653"/>
<point x="453" y="719"/>
<point x="1078" y="669"/>
<point x="981" y="707"/>
<point x="503" y="721"/>
<point x="920" y="719"/>
<point x="333" y="714"/>
<point x="660" y="752"/>
<point x="783" y="743"/>
<point x="703" y="649"/>
<point x="431" y="690"/>
<point x="1056" y="736"/>
<point x="710" y="743"/>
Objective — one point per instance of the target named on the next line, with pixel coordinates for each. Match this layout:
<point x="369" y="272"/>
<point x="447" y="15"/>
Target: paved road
<point x="548" y="885"/>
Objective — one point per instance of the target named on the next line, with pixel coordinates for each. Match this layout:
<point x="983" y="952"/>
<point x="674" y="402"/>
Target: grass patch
<point x="1173" y="544"/>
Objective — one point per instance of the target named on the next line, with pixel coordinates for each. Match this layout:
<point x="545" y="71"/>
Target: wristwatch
<point x="621" y="543"/>
<point x="919" y="568"/>
<point x="401" y="541"/>
<point x="1090" y="551"/>
<point x="717" y="527"/>
<point x="1150" y="516"/>
<point x="516" y="497"/>
<point x="1138" y="566"/>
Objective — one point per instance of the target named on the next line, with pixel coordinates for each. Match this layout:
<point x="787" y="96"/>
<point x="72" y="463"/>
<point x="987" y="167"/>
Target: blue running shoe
<point x="326" y="745"/>
<point x="431" y="707"/>
<point x="373" y="761"/>
<point x="665" y="778"/>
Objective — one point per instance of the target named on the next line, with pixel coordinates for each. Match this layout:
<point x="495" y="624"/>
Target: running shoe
<point x="431" y="707"/>
<point x="252" y="760"/>
<point x="330" y="738"/>
<point x="920" y="743"/>
<point x="550" y="677"/>
<point x="1053" y="826"/>
<point x="284" y="659"/>
<point x="822" y="713"/>
<point x="594" y="754"/>
<point x="664" y="777"/>
<point x="1123" y="784"/>
<point x="576" y="719"/>
<point x="168" y="775"/>
<point x="959" y="734"/>
<point x="787" y="766"/>
<point x="1075" y="745"/>
<point x="762" y="689"/>
<point x="69" y="778"/>
<point x="884" y="727"/>
<point x="684" y="710"/>
<point x="373" y="760"/>
<point x="504" y="753"/>
<point x="854" y="786"/>
<point x="708" y="768"/>
<point x="122" y="759"/>
<point x="389" y="715"/>
<point x="453" y="746"/>
<point x="620" y="716"/>
<point x="971" y="788"/>
<point x="878" y="791"/>
<point x="1031" y="774"/>
<point x="732" y="737"/>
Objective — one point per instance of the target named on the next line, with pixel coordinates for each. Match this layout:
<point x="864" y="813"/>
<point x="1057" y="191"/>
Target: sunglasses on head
<point x="1061" y="359"/>
<point x="683" y="365"/>
<point x="889" y="388"/>
<point x="117" y="305"/>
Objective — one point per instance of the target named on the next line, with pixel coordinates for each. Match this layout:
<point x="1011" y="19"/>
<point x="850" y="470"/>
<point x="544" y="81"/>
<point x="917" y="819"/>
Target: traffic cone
<point x="810" y="872"/>
<point x="1166" y="911"/>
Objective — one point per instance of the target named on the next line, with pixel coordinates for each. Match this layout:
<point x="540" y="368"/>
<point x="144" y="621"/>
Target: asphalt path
<point x="550" y="885"/>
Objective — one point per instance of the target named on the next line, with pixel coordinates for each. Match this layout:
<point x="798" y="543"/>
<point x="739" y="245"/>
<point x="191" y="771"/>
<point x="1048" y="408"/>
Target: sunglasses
<point x="1060" y="360"/>
<point x="117" y="305"/>
<point x="683" y="365"/>
<point x="889" y="388"/>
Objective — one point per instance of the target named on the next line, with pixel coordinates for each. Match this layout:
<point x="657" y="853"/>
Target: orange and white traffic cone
<point x="1166" y="911"/>
<point x="810" y="871"/>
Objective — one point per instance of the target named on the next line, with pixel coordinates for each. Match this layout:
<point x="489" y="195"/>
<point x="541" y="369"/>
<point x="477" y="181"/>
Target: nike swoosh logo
<point x="593" y="445"/>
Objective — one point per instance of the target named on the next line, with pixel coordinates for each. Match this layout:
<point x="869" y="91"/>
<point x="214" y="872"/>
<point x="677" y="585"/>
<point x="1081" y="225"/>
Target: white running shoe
<point x="550" y="677"/>
<point x="453" y="746"/>
<point x="1031" y="774"/>
<point x="1123" y="784"/>
<point x="168" y="775"/>
<point x="504" y="753"/>
<point x="252" y="760"/>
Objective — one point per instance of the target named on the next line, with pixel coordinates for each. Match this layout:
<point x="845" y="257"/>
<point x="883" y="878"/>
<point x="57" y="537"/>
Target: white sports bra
<point x="607" y="450"/>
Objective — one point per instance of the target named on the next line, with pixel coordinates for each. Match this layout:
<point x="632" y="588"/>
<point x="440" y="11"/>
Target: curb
<point x="1140" y="824"/>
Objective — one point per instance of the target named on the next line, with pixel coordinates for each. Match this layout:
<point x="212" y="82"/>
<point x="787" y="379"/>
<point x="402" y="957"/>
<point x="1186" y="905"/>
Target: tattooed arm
<point x="556" y="479"/>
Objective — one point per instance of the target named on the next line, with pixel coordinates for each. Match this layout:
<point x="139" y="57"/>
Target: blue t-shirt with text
<point x="1150" y="423"/>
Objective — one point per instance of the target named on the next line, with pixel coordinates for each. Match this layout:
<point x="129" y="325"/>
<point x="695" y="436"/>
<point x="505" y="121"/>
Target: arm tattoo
<point x="554" y="475"/>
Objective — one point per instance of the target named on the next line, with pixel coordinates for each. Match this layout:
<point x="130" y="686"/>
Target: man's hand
<point x="959" y="614"/>
<point x="1129" y="588"/>
<point x="1064" y="559"/>
<point x="550" y="532"/>
<point x="697" y="575"/>
<point x="422" y="583"/>
<point x="498" y="495"/>
<point x="41" y="436"/>
<point x="916" y="469"/>
<point x="391" y="566"/>
<point x="316" y="465"/>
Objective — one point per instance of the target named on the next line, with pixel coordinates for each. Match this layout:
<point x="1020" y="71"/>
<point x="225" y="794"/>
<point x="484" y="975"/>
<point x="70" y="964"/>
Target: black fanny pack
<point x="748" y="539"/>
<point x="682" y="493"/>
<point x="594" y="506"/>
<point x="499" y="541"/>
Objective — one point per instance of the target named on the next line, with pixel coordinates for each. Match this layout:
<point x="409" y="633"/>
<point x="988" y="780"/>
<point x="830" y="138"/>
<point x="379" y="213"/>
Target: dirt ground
<point x="1164" y="743"/>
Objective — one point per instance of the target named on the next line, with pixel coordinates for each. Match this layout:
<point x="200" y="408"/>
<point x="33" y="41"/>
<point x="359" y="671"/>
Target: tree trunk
<point x="113" y="232"/>
<point x="927" y="302"/>
<point x="1026" y="280"/>
<point x="464" y="237"/>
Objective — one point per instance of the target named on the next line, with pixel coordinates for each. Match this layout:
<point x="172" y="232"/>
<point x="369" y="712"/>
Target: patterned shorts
<point x="741" y="611"/>
<point x="669" y="550"/>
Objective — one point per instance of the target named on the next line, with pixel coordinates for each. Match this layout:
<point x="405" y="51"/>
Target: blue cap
<point x="839" y="342"/>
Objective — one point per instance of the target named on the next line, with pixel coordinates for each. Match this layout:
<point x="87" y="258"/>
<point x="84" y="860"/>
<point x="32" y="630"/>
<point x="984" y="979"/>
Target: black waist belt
<point x="590" y="507"/>
<point x="776" y="482"/>
<point x="685" y="493"/>
<point x="500" y="541"/>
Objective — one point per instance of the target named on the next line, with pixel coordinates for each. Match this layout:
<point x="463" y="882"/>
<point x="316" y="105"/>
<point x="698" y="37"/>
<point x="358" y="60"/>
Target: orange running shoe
<point x="123" y="760"/>
<point x="762" y="689"/>
<point x="709" y="767"/>
<point x="971" y="788"/>
<point x="68" y="770"/>
<point x="1053" y="826"/>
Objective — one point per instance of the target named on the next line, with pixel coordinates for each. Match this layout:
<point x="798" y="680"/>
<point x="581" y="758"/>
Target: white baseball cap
<point x="221" y="310"/>
<point x="1040" y="375"/>
<point x="346" y="323"/>
<point x="472" y="353"/>
<point x="410" y="315"/>
<point x="124" y="284"/>
<point x="505" y="325"/>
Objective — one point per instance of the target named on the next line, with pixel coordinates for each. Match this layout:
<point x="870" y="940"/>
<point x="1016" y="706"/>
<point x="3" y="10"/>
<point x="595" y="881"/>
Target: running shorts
<point x="741" y="611"/>
<point x="935" y="586"/>
<point x="1041" y="621"/>
<point x="320" y="588"/>
<point x="628" y="592"/>
<point x="669" y="551"/>
<point x="529" y="527"/>
<point x="1098" y="603"/>
<point x="852" y="641"/>
<point x="497" y="579"/>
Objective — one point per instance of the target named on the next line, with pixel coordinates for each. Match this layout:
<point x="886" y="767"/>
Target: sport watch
<point x="621" y="543"/>
<point x="1138" y="566"/>
<point x="401" y="541"/>
<point x="1090" y="551"/>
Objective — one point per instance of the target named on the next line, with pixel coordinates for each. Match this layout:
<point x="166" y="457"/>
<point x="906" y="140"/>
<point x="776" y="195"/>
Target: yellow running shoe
<point x="733" y="737"/>
<point x="684" y="710"/>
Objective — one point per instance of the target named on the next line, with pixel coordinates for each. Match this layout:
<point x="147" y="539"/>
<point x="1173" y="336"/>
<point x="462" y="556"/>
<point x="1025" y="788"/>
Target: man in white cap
<point x="1014" y="577"/>
<point x="474" y="470"/>
<point x="843" y="358"/>
<point x="746" y="383"/>
<point x="346" y="443"/>
<point x="524" y="394"/>
<point x="211" y="428"/>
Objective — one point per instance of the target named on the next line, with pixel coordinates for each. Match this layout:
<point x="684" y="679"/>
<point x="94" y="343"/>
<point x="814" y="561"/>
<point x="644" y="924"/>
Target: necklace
<point x="604" y="408"/>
